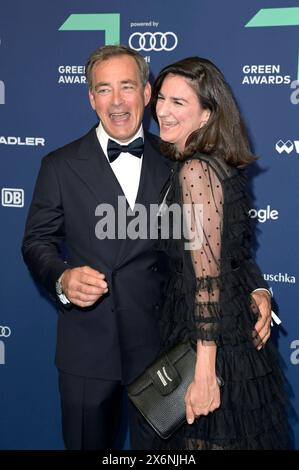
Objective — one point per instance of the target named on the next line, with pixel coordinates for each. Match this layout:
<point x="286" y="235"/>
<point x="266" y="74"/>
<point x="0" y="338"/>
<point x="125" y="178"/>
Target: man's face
<point x="118" y="97"/>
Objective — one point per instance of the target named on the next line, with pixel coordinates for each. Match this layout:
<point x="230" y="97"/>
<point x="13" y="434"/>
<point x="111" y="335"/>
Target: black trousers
<point x="91" y="412"/>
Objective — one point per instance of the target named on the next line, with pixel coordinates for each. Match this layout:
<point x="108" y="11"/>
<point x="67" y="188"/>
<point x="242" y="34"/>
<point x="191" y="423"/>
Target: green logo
<point x="268" y="17"/>
<point x="108" y="22"/>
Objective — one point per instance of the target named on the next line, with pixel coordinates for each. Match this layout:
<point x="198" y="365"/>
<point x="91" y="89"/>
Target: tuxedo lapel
<point x="154" y="173"/>
<point x="93" y="168"/>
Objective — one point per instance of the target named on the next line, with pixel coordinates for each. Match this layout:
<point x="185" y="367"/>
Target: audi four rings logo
<point x="153" y="41"/>
<point x="5" y="331"/>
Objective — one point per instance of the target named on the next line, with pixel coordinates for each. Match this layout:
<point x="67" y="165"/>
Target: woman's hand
<point x="202" y="397"/>
<point x="203" y="394"/>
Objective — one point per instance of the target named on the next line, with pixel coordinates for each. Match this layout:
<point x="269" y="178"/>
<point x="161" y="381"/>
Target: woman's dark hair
<point x="224" y="133"/>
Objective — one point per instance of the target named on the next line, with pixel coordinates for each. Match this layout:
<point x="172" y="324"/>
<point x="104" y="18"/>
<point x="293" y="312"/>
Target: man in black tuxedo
<point x="108" y="289"/>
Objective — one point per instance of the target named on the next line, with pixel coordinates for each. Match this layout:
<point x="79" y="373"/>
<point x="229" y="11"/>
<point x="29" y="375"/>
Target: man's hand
<point x="83" y="286"/>
<point x="263" y="325"/>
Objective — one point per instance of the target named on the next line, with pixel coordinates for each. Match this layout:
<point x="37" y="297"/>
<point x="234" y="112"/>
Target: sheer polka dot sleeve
<point x="202" y="200"/>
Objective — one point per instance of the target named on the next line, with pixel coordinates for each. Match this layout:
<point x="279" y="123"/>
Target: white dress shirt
<point x="126" y="167"/>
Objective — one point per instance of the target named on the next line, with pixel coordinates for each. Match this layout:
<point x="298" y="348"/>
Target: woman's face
<point x="179" y="111"/>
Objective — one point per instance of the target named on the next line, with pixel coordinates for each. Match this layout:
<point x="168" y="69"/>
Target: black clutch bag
<point x="160" y="391"/>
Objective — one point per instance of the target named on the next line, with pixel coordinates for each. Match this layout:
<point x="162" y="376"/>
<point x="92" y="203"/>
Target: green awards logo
<point x="271" y="17"/>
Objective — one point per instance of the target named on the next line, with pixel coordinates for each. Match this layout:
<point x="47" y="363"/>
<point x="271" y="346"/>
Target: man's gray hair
<point x="108" y="52"/>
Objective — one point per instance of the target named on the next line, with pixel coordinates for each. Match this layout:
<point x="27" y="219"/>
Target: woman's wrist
<point x="205" y="368"/>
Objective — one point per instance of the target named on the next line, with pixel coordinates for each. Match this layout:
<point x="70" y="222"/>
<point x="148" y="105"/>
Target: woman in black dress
<point x="216" y="297"/>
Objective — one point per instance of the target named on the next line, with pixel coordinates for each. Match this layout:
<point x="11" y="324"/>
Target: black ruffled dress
<point x="208" y="298"/>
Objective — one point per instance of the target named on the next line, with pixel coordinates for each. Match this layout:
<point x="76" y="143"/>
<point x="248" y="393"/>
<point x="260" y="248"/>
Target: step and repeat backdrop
<point x="44" y="104"/>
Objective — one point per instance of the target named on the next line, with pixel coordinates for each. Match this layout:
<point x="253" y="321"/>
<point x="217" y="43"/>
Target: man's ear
<point x="147" y="92"/>
<point x="91" y="99"/>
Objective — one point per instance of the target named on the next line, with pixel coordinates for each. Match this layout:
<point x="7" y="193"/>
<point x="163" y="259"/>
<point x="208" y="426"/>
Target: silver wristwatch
<point x="59" y="291"/>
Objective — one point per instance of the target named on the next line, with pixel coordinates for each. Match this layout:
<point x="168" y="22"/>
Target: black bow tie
<point x="134" y="148"/>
